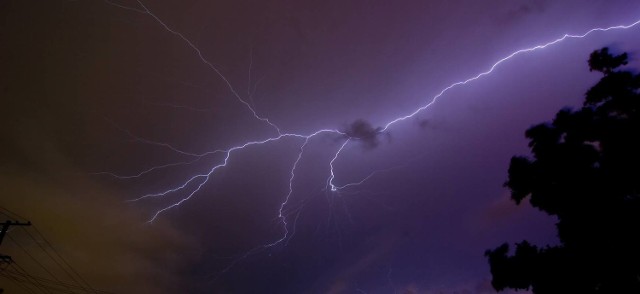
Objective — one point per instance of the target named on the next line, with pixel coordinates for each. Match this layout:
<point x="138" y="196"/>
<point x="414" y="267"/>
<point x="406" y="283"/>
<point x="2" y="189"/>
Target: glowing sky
<point x="86" y="85"/>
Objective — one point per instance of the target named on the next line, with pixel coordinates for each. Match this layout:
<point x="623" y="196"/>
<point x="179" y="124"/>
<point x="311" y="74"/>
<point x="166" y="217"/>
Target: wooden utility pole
<point x="5" y="228"/>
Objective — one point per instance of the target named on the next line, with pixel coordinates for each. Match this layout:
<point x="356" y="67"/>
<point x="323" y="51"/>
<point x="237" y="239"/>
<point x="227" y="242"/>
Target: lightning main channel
<point x="435" y="98"/>
<point x="194" y="183"/>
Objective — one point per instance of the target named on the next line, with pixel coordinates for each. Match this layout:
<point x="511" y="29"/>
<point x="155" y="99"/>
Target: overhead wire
<point x="49" y="285"/>
<point x="11" y="214"/>
<point x="17" y="283"/>
<point x="24" y="281"/>
<point x="69" y="270"/>
<point x="50" y="281"/>
<point x="34" y="283"/>
<point x="60" y="257"/>
<point x="33" y="258"/>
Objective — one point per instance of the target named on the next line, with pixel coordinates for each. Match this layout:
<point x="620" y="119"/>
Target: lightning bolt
<point x="493" y="67"/>
<point x="281" y="216"/>
<point x="194" y="183"/>
<point x="332" y="175"/>
<point x="205" y="176"/>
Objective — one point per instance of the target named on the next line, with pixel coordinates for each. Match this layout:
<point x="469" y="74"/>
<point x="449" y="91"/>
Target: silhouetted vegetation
<point x="585" y="171"/>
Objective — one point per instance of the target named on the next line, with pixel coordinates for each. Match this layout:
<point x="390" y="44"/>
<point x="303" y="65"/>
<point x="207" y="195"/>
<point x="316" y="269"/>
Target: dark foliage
<point x="604" y="62"/>
<point x="585" y="171"/>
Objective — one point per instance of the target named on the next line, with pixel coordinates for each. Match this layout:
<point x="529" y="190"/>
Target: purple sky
<point x="80" y="79"/>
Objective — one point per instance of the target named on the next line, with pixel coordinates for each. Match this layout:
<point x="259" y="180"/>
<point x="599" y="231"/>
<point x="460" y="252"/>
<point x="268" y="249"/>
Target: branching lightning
<point x="332" y="175"/>
<point x="207" y="62"/>
<point x="205" y="176"/>
<point x="281" y="216"/>
<point x="193" y="184"/>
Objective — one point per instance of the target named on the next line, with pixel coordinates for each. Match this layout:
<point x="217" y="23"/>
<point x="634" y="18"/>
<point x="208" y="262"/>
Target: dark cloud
<point x="523" y="10"/>
<point x="362" y="131"/>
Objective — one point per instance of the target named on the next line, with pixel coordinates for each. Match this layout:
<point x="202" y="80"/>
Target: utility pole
<point x="5" y="228"/>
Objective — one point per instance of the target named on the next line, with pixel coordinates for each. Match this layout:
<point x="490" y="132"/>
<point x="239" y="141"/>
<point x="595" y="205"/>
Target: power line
<point x="63" y="260"/>
<point x="3" y="273"/>
<point x="24" y="282"/>
<point x="34" y="259"/>
<point x="36" y="284"/>
<point x="69" y="270"/>
<point x="46" y="284"/>
<point x="19" y="276"/>
<point x="52" y="282"/>
<point x="54" y="260"/>
<point x="11" y="214"/>
<point x="17" y="283"/>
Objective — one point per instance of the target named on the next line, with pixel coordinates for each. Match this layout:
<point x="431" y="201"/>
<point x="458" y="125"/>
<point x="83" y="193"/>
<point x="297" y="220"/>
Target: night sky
<point x="91" y="89"/>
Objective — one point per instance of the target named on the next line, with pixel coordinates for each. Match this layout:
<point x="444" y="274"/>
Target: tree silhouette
<point x="585" y="171"/>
